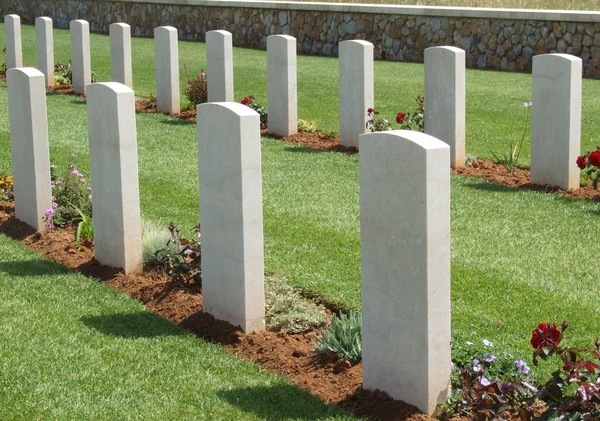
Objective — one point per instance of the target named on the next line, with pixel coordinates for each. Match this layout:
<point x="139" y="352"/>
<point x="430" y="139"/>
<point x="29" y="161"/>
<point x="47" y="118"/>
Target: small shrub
<point x="64" y="74"/>
<point x="196" y="89"/>
<point x="152" y="102"/>
<point x="589" y="164"/>
<point x="288" y="311"/>
<point x="262" y="111"/>
<point x="85" y="227"/>
<point x="157" y="248"/>
<point x="3" y="69"/>
<point x="6" y="188"/>
<point x="185" y="266"/>
<point x="309" y="126"/>
<point x="72" y="196"/>
<point x="343" y="336"/>
<point x="469" y="159"/>
<point x="406" y="121"/>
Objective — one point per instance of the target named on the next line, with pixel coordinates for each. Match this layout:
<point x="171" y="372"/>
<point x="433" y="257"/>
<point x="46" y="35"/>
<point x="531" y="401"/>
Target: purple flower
<point x="73" y="167"/>
<point x="54" y="198"/>
<point x="489" y="358"/>
<point x="49" y="226"/>
<point x="77" y="173"/>
<point x="522" y="366"/>
<point x="54" y="204"/>
<point x="89" y="189"/>
<point x="83" y="181"/>
<point x="74" y="155"/>
<point x="484" y="382"/>
<point x="52" y="186"/>
<point x="58" y="183"/>
<point x="49" y="213"/>
<point x="90" y="197"/>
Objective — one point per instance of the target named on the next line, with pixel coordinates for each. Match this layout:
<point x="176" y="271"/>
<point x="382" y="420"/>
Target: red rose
<point x="245" y="101"/>
<point x="545" y="335"/>
<point x="400" y="118"/>
<point x="594" y="158"/>
<point x="581" y="162"/>
<point x="371" y="110"/>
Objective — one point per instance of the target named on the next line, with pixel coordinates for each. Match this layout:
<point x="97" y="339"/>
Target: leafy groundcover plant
<point x="262" y="111"/>
<point x="406" y="121"/>
<point x="196" y="89"/>
<point x="6" y="187"/>
<point x="589" y="164"/>
<point x="571" y="393"/>
<point x="71" y="201"/>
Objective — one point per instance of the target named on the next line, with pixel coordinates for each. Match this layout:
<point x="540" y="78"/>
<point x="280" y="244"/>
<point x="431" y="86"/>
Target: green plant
<point x="7" y="188"/>
<point x="407" y="121"/>
<point x="589" y="164"/>
<point x="72" y="195"/>
<point x="64" y="74"/>
<point x="262" y="111"/>
<point x="152" y="102"/>
<point x="185" y="265"/>
<point x="3" y="69"/>
<point x="343" y="336"/>
<point x="469" y="159"/>
<point x="196" y="89"/>
<point x="288" y="311"/>
<point x="512" y="149"/>
<point x="85" y="227"/>
<point x="157" y="248"/>
<point x="309" y="126"/>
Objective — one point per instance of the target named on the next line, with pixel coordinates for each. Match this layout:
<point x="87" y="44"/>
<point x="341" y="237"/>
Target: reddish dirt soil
<point x="333" y="380"/>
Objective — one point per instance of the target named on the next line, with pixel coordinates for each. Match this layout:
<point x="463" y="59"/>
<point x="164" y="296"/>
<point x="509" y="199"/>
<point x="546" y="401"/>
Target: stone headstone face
<point x="120" y="54"/>
<point x="556" y="120"/>
<point x="29" y="144"/>
<point x="44" y="48"/>
<point x="282" y="85"/>
<point x="114" y="174"/>
<point x="167" y="70"/>
<point x="219" y="66"/>
<point x="405" y="265"/>
<point x="81" y="65"/>
<point x="231" y="219"/>
<point x="12" y="31"/>
<point x="356" y="89"/>
<point x="445" y="99"/>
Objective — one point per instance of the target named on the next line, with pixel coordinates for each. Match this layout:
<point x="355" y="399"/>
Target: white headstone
<point x="282" y="85"/>
<point x="445" y="99"/>
<point x="405" y="265"/>
<point x="12" y="31"/>
<point x="556" y="120"/>
<point x="29" y="145"/>
<point x="167" y="70"/>
<point x="356" y="89"/>
<point x="81" y="65"/>
<point x="219" y="66"/>
<point x="44" y="48"/>
<point x="120" y="54"/>
<point x="231" y="218"/>
<point x="114" y="174"/>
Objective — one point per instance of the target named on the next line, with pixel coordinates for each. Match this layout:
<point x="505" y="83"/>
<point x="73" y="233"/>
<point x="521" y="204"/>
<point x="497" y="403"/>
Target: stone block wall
<point x="496" y="39"/>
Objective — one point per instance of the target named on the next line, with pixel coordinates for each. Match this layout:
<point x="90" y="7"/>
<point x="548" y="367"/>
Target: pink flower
<point x="89" y="189"/>
<point x="49" y="226"/>
<point x="90" y="197"/>
<point x="49" y="213"/>
<point x="74" y="155"/>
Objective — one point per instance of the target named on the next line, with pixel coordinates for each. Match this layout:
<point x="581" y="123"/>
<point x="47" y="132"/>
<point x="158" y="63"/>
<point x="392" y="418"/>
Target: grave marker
<point x="120" y="54"/>
<point x="12" y="31"/>
<point x="167" y="70"/>
<point x="81" y="66"/>
<point x="219" y="63"/>
<point x="282" y="85"/>
<point x="44" y="48"/>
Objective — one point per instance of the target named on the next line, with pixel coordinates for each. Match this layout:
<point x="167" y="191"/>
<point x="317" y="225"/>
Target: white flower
<point x="528" y="104"/>
<point x="487" y="343"/>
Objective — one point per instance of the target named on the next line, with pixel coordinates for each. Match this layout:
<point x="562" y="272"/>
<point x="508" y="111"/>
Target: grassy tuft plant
<point x="85" y="227"/>
<point x="343" y="336"/>
<point x="288" y="311"/>
<point x="154" y="239"/>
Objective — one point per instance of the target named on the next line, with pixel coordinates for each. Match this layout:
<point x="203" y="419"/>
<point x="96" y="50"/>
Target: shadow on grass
<point x="304" y="149"/>
<point x="33" y="268"/>
<point x="131" y="325"/>
<point x="485" y="186"/>
<point x="279" y="402"/>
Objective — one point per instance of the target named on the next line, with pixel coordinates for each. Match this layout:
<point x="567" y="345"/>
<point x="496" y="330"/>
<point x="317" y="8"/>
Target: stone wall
<point x="497" y="39"/>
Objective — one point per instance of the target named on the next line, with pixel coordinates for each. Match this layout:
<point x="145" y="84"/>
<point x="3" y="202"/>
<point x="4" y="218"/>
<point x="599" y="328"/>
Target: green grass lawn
<point x="518" y="257"/>
<point x="74" y="349"/>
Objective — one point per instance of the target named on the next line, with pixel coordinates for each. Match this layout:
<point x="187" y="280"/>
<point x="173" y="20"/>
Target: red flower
<point x="545" y="335"/>
<point x="246" y="100"/>
<point x="400" y="118"/>
<point x="594" y="158"/>
<point x="581" y="162"/>
<point x="371" y="110"/>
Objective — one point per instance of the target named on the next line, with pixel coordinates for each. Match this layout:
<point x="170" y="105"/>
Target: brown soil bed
<point x="333" y="380"/>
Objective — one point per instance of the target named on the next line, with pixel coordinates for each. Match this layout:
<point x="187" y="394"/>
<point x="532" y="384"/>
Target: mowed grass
<point x="74" y="349"/>
<point x="497" y="4"/>
<point x="518" y="257"/>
